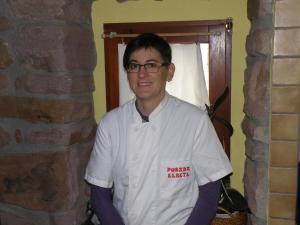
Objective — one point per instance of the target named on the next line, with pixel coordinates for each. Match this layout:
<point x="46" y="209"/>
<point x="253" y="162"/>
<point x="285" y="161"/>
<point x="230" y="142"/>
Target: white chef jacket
<point x="157" y="166"/>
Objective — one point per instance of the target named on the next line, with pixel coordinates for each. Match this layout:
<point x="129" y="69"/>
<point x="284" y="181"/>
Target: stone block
<point x="40" y="181"/>
<point x="72" y="217"/>
<point x="285" y="100"/>
<point x="4" y="137"/>
<point x="4" y="24"/>
<point x="256" y="150"/>
<point x="282" y="205"/>
<point x="286" y="71"/>
<point x="256" y="188"/>
<point x="55" y="48"/>
<point x="69" y="10"/>
<point x="69" y="218"/>
<point x="276" y="221"/>
<point x="55" y="84"/>
<point x="5" y="58"/>
<point x="45" y="111"/>
<point x="283" y="154"/>
<point x="256" y="88"/>
<point x="78" y="11"/>
<point x="253" y="220"/>
<point x="3" y="82"/>
<point x="259" y="9"/>
<point x="256" y="131"/>
<point x="284" y="127"/>
<point x="287" y="13"/>
<point x="283" y="180"/>
<point x="259" y="42"/>
<point x="282" y="47"/>
<point x="62" y="135"/>
<point x="18" y="136"/>
<point x="11" y="219"/>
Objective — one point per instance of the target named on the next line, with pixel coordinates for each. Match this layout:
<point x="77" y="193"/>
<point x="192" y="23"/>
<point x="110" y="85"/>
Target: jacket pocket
<point x="177" y="179"/>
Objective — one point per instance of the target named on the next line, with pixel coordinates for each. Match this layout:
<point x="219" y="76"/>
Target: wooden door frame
<point x="217" y="33"/>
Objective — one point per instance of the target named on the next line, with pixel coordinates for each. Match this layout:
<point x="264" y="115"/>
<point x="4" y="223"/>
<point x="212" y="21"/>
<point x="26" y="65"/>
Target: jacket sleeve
<point x="102" y="204"/>
<point x="206" y="205"/>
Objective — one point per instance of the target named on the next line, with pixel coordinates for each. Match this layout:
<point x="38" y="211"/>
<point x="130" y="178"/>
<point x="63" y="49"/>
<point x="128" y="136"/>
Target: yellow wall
<point x="110" y="11"/>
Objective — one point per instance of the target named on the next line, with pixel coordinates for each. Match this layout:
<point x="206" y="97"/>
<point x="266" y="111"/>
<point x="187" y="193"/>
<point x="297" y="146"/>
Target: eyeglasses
<point x="150" y="67"/>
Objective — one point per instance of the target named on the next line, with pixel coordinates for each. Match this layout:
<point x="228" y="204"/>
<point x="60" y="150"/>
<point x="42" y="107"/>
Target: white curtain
<point x="125" y="92"/>
<point x="188" y="82"/>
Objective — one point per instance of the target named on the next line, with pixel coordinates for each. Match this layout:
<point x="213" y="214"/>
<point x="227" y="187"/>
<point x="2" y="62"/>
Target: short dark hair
<point x="148" y="40"/>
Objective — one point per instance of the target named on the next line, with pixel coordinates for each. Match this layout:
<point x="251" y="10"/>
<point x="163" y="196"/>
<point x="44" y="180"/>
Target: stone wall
<point x="257" y="108"/>
<point x="285" y="103"/>
<point x="271" y="124"/>
<point x="47" y="127"/>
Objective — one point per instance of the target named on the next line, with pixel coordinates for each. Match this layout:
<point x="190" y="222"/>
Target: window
<point x="216" y="33"/>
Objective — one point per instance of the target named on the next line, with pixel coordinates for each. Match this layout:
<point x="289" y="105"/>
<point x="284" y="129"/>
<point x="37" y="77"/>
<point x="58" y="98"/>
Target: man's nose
<point x="142" y="71"/>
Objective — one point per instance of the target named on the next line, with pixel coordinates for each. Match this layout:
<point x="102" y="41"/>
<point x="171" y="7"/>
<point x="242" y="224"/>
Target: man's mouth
<point x="144" y="83"/>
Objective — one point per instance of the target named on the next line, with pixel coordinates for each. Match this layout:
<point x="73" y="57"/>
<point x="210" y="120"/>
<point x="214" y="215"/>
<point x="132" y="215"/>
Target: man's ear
<point x="171" y="71"/>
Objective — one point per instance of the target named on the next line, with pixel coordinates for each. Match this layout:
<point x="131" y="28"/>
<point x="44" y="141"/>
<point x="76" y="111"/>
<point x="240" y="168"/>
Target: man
<point x="161" y="155"/>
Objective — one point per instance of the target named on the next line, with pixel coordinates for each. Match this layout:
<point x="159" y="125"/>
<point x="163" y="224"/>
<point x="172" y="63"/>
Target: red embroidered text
<point x="178" y="172"/>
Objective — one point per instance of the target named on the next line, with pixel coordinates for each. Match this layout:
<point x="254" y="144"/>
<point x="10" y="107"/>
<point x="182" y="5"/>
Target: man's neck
<point x="144" y="118"/>
<point x="146" y="107"/>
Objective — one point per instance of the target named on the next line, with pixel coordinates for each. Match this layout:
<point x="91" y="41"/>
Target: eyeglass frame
<point x="159" y="65"/>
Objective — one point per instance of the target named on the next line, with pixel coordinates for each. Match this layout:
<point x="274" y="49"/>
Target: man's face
<point x="146" y="85"/>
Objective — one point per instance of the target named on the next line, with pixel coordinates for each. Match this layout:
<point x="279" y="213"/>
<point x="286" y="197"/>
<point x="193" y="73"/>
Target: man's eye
<point x="133" y="66"/>
<point x="151" y="65"/>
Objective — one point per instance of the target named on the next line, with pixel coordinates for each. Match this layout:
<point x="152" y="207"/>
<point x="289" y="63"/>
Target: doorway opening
<point x="216" y="34"/>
